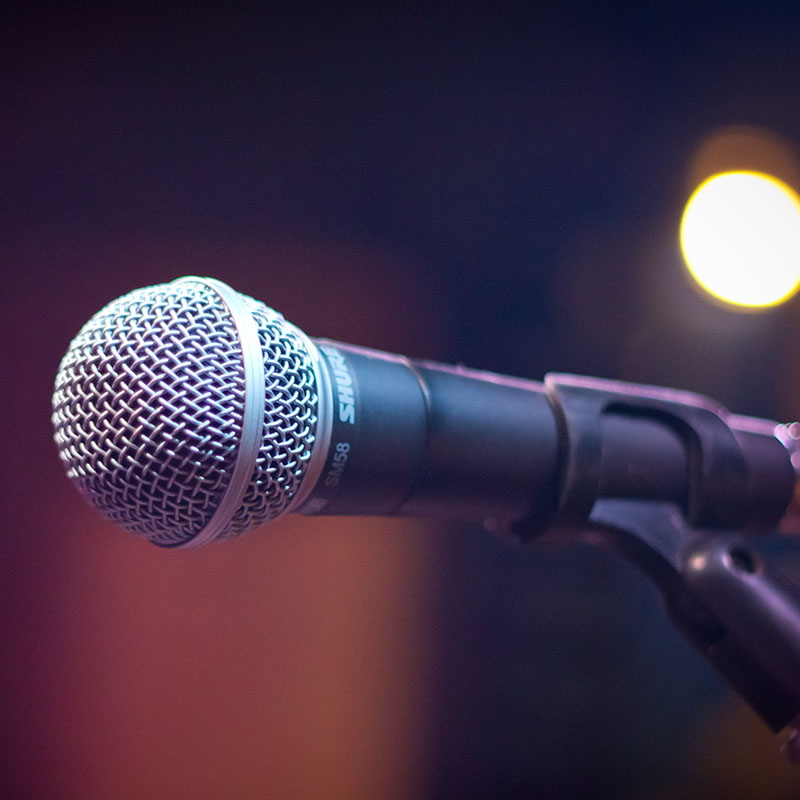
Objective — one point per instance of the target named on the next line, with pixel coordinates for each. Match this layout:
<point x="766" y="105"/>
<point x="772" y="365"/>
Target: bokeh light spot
<point x="740" y="236"/>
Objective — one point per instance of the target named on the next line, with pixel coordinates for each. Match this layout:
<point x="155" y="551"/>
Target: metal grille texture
<point x="148" y="409"/>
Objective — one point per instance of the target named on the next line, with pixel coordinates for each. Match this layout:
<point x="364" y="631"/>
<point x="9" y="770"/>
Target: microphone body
<point x="417" y="438"/>
<point x="426" y="439"/>
<point x="189" y="413"/>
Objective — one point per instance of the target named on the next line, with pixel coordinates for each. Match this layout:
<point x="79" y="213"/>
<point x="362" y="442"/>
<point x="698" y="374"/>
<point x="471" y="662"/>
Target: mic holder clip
<point x="742" y="614"/>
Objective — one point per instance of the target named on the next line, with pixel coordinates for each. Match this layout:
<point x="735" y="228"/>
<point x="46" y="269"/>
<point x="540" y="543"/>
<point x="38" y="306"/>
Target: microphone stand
<point x="740" y="612"/>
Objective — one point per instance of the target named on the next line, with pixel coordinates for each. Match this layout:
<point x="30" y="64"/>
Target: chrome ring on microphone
<point x="252" y="413"/>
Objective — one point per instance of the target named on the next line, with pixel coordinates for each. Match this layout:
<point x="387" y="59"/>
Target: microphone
<point x="188" y="413"/>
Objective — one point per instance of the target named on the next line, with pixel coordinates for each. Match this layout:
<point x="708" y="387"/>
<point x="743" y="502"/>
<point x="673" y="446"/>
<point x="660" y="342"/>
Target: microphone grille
<point x="149" y="404"/>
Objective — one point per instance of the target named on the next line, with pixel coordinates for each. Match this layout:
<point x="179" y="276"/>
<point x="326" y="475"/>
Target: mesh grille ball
<point x="148" y="410"/>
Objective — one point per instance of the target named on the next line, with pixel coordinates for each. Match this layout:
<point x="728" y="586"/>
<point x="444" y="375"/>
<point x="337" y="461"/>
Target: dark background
<point x="499" y="186"/>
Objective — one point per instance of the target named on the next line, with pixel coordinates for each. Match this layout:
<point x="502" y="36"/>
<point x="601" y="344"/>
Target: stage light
<point x="740" y="236"/>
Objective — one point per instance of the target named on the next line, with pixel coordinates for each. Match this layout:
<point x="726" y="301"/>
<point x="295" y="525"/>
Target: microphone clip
<point x="678" y="486"/>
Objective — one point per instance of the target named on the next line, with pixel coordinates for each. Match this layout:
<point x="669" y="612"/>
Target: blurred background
<point x="500" y="186"/>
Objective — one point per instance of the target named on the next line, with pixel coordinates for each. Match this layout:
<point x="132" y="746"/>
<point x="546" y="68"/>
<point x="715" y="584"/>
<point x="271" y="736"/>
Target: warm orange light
<point x="740" y="236"/>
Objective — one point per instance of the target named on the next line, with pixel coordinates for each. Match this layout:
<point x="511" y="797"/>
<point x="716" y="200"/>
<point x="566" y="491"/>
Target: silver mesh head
<point x="149" y="405"/>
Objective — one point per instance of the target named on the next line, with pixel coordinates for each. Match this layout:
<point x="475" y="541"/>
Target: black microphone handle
<point x="425" y="439"/>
